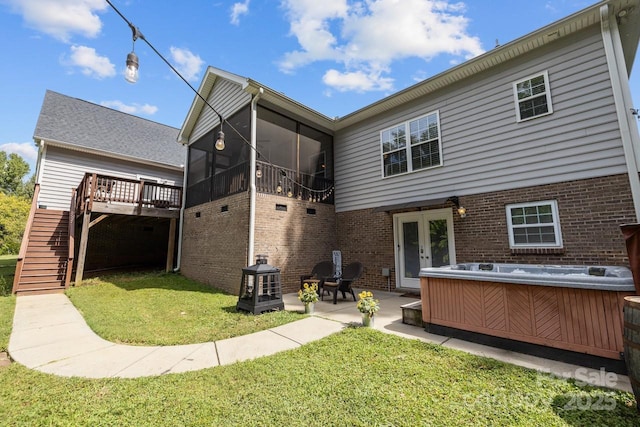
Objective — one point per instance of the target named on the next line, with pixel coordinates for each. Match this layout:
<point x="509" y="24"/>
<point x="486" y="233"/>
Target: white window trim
<point x="407" y="146"/>
<point x="547" y="89"/>
<point x="556" y="225"/>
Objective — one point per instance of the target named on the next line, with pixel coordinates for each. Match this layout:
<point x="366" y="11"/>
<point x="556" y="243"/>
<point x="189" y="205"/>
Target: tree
<point x="13" y="169"/>
<point x="14" y="212"/>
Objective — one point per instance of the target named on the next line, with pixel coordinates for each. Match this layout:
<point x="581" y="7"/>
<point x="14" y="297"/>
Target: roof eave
<point x="105" y="153"/>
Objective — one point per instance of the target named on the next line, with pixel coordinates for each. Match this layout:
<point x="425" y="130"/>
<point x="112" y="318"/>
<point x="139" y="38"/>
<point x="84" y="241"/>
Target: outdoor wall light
<point x="462" y="211"/>
<point x="220" y="141"/>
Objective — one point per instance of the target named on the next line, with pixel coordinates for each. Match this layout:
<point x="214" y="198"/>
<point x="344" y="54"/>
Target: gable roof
<point x="629" y="30"/>
<point x="81" y="125"/>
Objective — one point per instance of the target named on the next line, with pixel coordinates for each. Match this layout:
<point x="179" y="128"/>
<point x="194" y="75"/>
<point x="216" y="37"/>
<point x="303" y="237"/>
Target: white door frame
<point x="423" y="218"/>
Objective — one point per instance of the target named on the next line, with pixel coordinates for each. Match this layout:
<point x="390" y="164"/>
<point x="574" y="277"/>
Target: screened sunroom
<point x="293" y="159"/>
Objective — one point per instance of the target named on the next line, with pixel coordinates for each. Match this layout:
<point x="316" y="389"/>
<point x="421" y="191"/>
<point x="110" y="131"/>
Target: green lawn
<point x="7" y="268"/>
<point x="358" y="377"/>
<point x="165" y="309"/>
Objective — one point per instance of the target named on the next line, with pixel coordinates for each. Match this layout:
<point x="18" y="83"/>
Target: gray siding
<point x="64" y="169"/>
<point x="226" y="97"/>
<point x="484" y="148"/>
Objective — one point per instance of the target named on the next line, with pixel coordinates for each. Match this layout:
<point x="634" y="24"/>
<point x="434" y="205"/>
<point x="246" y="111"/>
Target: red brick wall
<point x="591" y="212"/>
<point x="294" y="240"/>
<point x="214" y="246"/>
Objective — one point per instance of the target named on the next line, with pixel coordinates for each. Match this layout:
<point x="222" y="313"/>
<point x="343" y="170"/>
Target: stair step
<point x="44" y="260"/>
<point x="38" y="291"/>
<point x="47" y="278"/>
<point x="53" y="284"/>
<point x="48" y="272"/>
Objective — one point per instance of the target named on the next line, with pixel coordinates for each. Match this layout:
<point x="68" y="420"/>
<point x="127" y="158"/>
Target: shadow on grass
<point x="136" y="281"/>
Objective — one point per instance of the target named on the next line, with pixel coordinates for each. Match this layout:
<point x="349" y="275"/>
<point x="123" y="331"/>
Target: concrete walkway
<point x="51" y="336"/>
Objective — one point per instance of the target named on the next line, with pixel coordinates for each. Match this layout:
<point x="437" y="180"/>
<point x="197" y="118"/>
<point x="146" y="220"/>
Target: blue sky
<point x="335" y="56"/>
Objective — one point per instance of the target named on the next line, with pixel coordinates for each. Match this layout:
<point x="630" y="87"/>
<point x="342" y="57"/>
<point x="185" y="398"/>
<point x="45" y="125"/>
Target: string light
<point x="131" y="76"/>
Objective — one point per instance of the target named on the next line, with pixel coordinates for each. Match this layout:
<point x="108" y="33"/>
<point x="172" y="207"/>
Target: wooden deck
<point x="115" y="195"/>
<point x="581" y="320"/>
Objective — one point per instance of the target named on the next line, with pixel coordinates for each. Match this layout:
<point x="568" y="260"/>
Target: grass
<point x="165" y="309"/>
<point x="7" y="269"/>
<point x="358" y="377"/>
<point x="7" y="302"/>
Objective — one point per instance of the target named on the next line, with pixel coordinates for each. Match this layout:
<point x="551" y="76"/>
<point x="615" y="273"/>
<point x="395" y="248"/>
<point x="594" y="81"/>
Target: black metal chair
<point x="350" y="274"/>
<point x="321" y="271"/>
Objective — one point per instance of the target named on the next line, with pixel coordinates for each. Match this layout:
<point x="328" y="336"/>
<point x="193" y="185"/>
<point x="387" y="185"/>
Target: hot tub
<point x="575" y="308"/>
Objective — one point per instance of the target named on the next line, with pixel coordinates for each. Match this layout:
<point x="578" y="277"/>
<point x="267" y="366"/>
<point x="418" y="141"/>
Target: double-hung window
<point x="533" y="97"/>
<point x="412" y="145"/>
<point x="534" y="225"/>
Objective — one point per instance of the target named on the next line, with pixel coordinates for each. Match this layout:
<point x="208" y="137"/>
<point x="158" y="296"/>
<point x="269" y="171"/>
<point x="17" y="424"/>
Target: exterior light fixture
<point x="279" y="188"/>
<point x="462" y="211"/>
<point x="289" y="193"/>
<point x="131" y="72"/>
<point x="220" y="141"/>
<point x="258" y="172"/>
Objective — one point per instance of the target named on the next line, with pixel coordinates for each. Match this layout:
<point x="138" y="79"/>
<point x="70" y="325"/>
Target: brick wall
<point x="214" y="245"/>
<point x="590" y="210"/>
<point x="367" y="237"/>
<point x="214" y="248"/>
<point x="294" y="239"/>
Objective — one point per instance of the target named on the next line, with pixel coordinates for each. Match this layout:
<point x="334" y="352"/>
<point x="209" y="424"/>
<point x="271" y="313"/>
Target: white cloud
<point x="26" y="150"/>
<point x="237" y="10"/>
<point x="134" y="108"/>
<point x="90" y="63"/>
<point x="188" y="64"/>
<point x="366" y="37"/>
<point x="358" y="81"/>
<point x="61" y="18"/>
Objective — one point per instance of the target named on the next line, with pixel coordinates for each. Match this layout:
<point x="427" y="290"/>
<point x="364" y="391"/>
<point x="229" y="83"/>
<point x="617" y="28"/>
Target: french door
<point x="422" y="239"/>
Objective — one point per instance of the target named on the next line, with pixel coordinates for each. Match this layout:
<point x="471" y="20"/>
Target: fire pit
<point x="260" y="289"/>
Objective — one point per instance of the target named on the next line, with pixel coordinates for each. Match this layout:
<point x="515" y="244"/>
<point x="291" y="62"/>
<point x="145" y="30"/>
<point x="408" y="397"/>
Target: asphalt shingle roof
<point x="87" y="125"/>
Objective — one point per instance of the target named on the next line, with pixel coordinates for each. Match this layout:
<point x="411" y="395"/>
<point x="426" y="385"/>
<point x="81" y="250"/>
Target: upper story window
<point x="534" y="225"/>
<point x="422" y="149"/>
<point x="533" y="97"/>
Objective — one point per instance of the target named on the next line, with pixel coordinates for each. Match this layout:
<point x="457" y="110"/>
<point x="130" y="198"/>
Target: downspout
<point x="621" y="96"/>
<point x="42" y="151"/>
<point x="185" y="171"/>
<point x="252" y="178"/>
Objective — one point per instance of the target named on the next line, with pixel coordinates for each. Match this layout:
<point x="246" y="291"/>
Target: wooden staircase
<point x="43" y="267"/>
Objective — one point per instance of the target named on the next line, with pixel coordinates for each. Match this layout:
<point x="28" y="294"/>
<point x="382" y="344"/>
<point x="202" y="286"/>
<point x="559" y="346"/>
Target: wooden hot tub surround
<point x="582" y="314"/>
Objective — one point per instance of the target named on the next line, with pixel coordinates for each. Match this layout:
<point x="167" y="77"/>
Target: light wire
<point x="137" y="34"/>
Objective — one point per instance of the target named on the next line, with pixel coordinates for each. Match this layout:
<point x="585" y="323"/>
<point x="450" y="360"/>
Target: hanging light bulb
<point x="289" y="193"/>
<point x="258" y="172"/>
<point x="279" y="188"/>
<point x="131" y="72"/>
<point x="220" y="141"/>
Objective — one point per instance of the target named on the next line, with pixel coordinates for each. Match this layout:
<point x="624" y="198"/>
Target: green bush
<point x="14" y="212"/>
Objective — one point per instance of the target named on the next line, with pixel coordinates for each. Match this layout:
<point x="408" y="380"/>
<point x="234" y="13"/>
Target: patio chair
<point x="350" y="274"/>
<point x="321" y="271"/>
